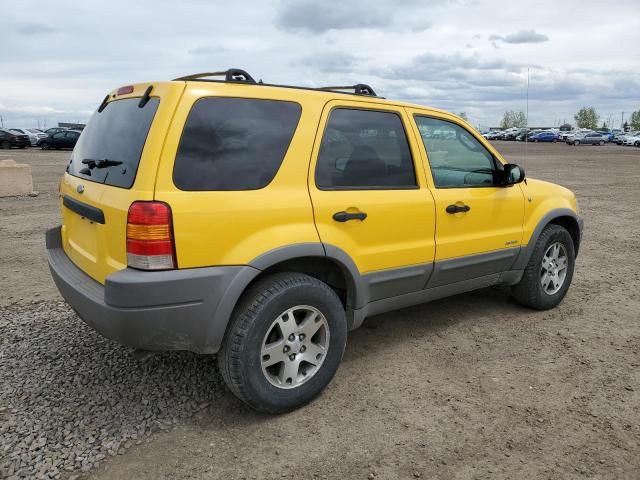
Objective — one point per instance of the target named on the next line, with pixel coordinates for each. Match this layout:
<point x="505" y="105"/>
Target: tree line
<point x="586" y="117"/>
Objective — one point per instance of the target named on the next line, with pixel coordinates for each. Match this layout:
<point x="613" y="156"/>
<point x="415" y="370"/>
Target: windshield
<point x="111" y="144"/>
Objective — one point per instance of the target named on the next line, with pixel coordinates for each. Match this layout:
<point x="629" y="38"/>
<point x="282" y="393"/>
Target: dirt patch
<point x="473" y="386"/>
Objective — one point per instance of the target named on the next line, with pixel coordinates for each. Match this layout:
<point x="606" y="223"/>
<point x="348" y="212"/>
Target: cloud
<point x="36" y="29"/>
<point x="330" y="42"/>
<point x="331" y="62"/>
<point x="319" y="17"/>
<point x="521" y="36"/>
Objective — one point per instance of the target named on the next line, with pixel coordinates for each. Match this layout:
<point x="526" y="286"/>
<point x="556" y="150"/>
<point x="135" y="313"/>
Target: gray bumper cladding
<point x="184" y="309"/>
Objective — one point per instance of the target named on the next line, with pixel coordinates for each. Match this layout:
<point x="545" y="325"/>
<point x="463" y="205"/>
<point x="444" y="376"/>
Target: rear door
<point x="369" y="197"/>
<point x="95" y="196"/>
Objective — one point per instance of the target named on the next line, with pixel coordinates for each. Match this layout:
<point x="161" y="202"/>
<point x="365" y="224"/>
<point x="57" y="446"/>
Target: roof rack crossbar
<point x="234" y="75"/>
<point x="359" y="89"/>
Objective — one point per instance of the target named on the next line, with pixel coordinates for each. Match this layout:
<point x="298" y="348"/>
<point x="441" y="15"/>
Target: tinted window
<point x="234" y="143"/>
<point x="118" y="133"/>
<point x="364" y="149"/>
<point x="456" y="158"/>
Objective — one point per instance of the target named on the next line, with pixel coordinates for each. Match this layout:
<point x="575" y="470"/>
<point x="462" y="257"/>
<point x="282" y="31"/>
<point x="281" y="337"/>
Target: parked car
<point x="322" y="206"/>
<point x="521" y="137"/>
<point x="592" y="138"/>
<point x="64" y="139"/>
<point x="564" y="135"/>
<point x="632" y="140"/>
<point x="492" y="135"/>
<point x="622" y="138"/>
<point x="514" y="134"/>
<point x="10" y="139"/>
<point x="33" y="134"/>
<point x="52" y="130"/>
<point x="545" y="136"/>
<point x="606" y="134"/>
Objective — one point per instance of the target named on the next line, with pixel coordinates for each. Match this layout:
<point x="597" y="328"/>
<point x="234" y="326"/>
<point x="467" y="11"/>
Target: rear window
<point x="109" y="148"/>
<point x="234" y="143"/>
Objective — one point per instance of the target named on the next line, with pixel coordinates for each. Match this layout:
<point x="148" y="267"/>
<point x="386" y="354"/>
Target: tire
<point x="44" y="146"/>
<point x="601" y="142"/>
<point x="576" y="142"/>
<point x="5" y="144"/>
<point x="258" y="316"/>
<point x="536" y="140"/>
<point x="530" y="291"/>
<point x="22" y="147"/>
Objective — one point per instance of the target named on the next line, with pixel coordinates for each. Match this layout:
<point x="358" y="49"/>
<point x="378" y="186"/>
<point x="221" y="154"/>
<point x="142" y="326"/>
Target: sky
<point x="59" y="59"/>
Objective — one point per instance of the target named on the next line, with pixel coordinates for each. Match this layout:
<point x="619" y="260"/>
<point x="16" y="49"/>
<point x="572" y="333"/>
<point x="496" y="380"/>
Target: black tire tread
<point x="525" y="292"/>
<point x="231" y="355"/>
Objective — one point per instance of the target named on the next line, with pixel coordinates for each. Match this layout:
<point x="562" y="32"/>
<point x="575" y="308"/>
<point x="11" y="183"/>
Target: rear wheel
<point x="285" y="342"/>
<point x="5" y="144"/>
<point x="548" y="274"/>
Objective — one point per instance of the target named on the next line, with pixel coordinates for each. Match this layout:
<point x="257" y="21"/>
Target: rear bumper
<point x="186" y="309"/>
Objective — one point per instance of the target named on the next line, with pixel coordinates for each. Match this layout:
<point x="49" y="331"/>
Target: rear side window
<point x="234" y="143"/>
<point x="364" y="149"/>
<point x="109" y="148"/>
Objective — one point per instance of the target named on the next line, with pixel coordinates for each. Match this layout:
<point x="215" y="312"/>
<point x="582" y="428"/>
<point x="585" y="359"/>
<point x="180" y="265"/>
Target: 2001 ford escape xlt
<point x="263" y="222"/>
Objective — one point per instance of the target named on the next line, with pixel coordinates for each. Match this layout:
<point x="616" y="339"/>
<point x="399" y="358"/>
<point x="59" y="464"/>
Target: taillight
<point x="150" y="237"/>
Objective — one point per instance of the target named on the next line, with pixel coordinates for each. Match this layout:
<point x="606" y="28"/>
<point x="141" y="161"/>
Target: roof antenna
<point x="526" y="137"/>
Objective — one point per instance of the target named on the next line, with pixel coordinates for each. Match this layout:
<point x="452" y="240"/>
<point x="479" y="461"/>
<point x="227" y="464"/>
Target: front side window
<point x="456" y="157"/>
<point x="234" y="143"/>
<point x="364" y="149"/>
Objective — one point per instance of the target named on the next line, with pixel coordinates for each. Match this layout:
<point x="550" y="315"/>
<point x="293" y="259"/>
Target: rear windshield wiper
<point x="104" y="163"/>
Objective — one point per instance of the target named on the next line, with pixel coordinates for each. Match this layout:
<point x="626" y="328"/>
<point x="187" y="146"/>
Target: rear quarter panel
<point x="234" y="227"/>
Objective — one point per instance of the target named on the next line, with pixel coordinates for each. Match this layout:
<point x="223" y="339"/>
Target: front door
<point x="369" y="199"/>
<point x="475" y="215"/>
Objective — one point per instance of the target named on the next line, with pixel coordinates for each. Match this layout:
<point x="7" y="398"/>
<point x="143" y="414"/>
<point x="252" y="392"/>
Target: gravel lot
<point x="469" y="387"/>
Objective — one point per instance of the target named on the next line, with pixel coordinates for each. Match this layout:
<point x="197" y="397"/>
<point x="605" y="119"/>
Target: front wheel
<point x="5" y="144"/>
<point x="601" y="142"/>
<point x="577" y="142"/>
<point x="548" y="274"/>
<point x="44" y="146"/>
<point x="285" y="342"/>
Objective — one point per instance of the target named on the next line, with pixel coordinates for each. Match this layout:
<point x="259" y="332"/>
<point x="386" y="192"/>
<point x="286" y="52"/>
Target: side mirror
<point x="513" y="174"/>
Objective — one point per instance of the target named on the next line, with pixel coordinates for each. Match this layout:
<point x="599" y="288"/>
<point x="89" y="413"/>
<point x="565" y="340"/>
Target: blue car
<point x="544" y="137"/>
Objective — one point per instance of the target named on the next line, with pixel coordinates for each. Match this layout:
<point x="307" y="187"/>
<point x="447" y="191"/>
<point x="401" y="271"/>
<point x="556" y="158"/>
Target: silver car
<point x="587" y="139"/>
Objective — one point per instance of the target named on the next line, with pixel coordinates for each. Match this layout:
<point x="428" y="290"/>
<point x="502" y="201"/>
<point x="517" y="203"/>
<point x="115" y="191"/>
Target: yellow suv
<point x="262" y="222"/>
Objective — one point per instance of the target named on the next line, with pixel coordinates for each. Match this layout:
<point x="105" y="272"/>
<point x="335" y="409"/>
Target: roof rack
<point x="358" y="89"/>
<point x="237" y="75"/>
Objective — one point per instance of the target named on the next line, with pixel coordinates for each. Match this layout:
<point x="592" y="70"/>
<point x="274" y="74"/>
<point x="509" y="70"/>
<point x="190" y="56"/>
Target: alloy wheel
<point x="553" y="271"/>
<point x="295" y="346"/>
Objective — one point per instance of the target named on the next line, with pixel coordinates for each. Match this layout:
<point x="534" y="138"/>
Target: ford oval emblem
<point x="80" y="188"/>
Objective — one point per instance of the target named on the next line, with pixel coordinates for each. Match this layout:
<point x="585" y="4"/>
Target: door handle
<point x="458" y="208"/>
<point x="344" y="216"/>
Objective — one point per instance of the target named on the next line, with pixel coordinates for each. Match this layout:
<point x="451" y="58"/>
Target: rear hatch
<point x="113" y="164"/>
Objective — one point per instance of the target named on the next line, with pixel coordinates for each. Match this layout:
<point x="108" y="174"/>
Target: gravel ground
<point x="70" y="398"/>
<point x="469" y="387"/>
